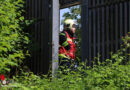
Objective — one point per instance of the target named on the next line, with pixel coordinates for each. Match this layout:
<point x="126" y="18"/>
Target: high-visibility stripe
<point x="63" y="56"/>
<point x="65" y="44"/>
<point x="62" y="34"/>
<point x="63" y="53"/>
<point x="68" y="39"/>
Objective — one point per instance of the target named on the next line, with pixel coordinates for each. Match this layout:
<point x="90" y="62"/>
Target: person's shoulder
<point x="63" y="33"/>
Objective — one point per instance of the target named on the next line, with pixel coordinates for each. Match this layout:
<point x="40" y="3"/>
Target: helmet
<point x="68" y="23"/>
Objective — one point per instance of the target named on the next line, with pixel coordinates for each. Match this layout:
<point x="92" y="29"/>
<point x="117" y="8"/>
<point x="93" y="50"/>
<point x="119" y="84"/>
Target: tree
<point x="12" y="37"/>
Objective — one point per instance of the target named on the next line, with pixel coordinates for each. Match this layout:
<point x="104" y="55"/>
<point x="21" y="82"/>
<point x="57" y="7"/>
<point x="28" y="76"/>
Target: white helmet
<point x="68" y="24"/>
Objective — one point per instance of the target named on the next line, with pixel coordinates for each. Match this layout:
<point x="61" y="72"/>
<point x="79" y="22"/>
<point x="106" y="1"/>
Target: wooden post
<point x="55" y="35"/>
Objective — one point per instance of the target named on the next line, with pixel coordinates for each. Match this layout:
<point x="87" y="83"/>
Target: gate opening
<point x="74" y="13"/>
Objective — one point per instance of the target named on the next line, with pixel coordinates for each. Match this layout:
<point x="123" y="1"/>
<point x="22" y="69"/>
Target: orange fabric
<point x="69" y="53"/>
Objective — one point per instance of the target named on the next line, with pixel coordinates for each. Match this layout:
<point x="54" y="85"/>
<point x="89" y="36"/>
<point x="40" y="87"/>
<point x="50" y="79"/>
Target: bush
<point x="12" y="37"/>
<point x="115" y="77"/>
<point x="104" y="76"/>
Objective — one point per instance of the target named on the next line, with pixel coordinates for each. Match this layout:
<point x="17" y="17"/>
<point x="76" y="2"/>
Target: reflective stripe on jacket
<point x="67" y="53"/>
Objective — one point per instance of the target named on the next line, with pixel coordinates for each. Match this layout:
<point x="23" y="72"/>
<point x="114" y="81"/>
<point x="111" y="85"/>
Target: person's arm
<point x="63" y="41"/>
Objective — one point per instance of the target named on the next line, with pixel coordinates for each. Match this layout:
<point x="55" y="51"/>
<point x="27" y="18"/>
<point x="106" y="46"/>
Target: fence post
<point x="55" y="35"/>
<point x="85" y="31"/>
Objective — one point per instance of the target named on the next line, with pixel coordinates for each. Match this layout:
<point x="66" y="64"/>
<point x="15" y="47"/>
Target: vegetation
<point x="12" y="37"/>
<point x="104" y="76"/>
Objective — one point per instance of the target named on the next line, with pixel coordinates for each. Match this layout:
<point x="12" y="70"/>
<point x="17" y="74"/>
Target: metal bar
<point x="37" y="41"/>
<point x="50" y="34"/>
<point x="114" y="31"/>
<point x="95" y="1"/>
<point x="90" y="28"/>
<point x="129" y="16"/>
<point x="85" y="31"/>
<point x="94" y="30"/>
<point x="69" y="3"/>
<point x="39" y="36"/>
<point x="121" y="21"/>
<point x="33" y="13"/>
<point x="42" y="32"/>
<point x="107" y="3"/>
<point x="47" y="37"/>
<point x="107" y="29"/>
<point x="129" y="25"/>
<point x="125" y="18"/>
<point x="98" y="28"/>
<point x="55" y="36"/>
<point x="91" y="47"/>
<point x="116" y="25"/>
<point x="26" y="6"/>
<point x="38" y="9"/>
<point x="29" y="10"/>
<point x="89" y="3"/>
<point x="35" y="56"/>
<point x="103" y="37"/>
<point x="111" y="28"/>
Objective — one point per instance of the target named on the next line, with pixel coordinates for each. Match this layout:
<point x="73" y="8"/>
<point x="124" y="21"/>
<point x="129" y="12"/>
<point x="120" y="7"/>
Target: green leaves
<point x="104" y="76"/>
<point x="11" y="34"/>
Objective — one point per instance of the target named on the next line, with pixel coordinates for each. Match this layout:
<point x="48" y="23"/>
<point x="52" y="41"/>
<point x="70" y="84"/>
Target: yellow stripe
<point x="63" y="56"/>
<point x="68" y="39"/>
<point x="62" y="34"/>
<point x="65" y="44"/>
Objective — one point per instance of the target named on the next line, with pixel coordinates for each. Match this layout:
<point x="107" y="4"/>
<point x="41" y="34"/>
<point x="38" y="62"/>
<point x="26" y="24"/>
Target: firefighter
<point x="67" y="45"/>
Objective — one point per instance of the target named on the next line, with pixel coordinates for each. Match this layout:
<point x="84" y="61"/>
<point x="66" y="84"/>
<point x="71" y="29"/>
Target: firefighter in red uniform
<point x="67" y="45"/>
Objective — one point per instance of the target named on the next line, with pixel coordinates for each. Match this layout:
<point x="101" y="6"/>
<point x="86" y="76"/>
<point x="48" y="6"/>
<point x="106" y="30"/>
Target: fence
<point x="40" y="11"/>
<point x="104" y="22"/>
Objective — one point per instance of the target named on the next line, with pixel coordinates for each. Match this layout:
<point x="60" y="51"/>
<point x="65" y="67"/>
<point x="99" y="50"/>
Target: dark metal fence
<point x="104" y="22"/>
<point x="40" y="32"/>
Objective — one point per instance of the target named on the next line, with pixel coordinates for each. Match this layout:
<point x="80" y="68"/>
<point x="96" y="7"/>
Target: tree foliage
<point x="12" y="37"/>
<point x="104" y="76"/>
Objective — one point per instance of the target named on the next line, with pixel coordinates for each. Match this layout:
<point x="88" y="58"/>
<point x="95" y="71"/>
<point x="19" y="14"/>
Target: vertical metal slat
<point x="98" y="31"/>
<point x="107" y="29"/>
<point x="35" y="56"/>
<point x="125" y="18"/>
<point x="116" y="25"/>
<point x="39" y="36"/>
<point x="94" y="30"/>
<point x="98" y="28"/>
<point x="121" y="22"/>
<point x="103" y="37"/>
<point x="90" y="28"/>
<point x="85" y="32"/>
<point x="129" y="15"/>
<point x="111" y="28"/>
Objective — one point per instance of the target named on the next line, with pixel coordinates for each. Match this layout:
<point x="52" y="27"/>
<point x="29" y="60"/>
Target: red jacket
<point x="71" y="52"/>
